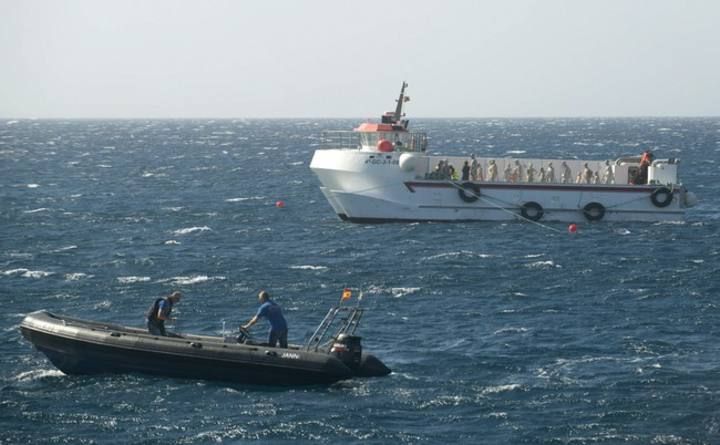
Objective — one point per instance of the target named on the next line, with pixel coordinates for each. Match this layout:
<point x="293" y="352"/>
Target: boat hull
<point x="441" y="202"/>
<point x="79" y="347"/>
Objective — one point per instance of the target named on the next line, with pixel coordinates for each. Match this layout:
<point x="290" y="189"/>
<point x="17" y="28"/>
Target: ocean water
<point x="497" y="333"/>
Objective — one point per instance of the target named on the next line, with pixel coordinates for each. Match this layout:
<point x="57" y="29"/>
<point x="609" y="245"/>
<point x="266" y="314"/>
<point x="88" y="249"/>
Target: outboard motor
<point x="348" y="349"/>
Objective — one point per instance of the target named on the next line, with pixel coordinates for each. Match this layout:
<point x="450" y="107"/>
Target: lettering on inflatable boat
<point x="291" y="355"/>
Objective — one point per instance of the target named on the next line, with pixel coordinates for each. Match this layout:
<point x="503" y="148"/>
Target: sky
<point x="338" y="58"/>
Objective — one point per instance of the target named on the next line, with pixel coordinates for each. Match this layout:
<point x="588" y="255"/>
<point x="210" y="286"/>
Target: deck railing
<point x="525" y="170"/>
<point x="354" y="140"/>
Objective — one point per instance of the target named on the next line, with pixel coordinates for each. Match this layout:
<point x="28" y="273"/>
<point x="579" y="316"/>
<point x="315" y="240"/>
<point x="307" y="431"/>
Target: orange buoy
<point x="384" y="146"/>
<point x="280" y="204"/>
<point x="572" y="228"/>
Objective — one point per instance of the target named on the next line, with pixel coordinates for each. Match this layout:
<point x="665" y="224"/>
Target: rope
<point x="520" y="217"/>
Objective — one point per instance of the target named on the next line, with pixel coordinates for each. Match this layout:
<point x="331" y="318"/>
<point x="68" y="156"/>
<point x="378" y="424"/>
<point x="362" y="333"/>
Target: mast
<point x="400" y="101"/>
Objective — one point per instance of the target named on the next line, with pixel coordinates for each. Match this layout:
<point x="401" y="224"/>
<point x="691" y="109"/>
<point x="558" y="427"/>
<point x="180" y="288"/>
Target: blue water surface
<point x="497" y="333"/>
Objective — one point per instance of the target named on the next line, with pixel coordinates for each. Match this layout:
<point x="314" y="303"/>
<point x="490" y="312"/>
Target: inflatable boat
<point x="331" y="354"/>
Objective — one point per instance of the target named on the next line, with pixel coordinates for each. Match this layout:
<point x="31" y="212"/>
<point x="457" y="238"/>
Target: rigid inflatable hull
<point x="77" y="349"/>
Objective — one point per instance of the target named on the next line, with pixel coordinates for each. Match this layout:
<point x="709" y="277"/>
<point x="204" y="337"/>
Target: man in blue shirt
<point x="160" y="311"/>
<point x="278" y="326"/>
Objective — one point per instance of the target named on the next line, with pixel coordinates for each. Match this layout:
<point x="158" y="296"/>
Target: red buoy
<point x="384" y="146"/>
<point x="280" y="204"/>
<point x="572" y="228"/>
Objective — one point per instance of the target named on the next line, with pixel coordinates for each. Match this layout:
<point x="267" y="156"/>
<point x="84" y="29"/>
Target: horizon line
<point x="659" y="116"/>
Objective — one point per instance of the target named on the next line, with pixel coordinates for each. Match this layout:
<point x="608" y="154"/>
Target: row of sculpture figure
<point x="473" y="170"/>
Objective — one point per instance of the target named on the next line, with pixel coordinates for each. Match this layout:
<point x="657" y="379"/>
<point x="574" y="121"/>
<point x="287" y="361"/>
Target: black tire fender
<point x="532" y="211"/>
<point x="474" y="190"/>
<point x="594" y="211"/>
<point x="661" y="197"/>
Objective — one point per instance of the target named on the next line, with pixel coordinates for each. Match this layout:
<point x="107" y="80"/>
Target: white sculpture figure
<point x="530" y="172"/>
<point x="566" y="175"/>
<point x="479" y="176"/>
<point x="473" y="168"/>
<point x="550" y="173"/>
<point x="608" y="176"/>
<point x="492" y="170"/>
<point x="517" y="172"/>
<point x="596" y="177"/>
<point x="587" y="174"/>
<point x="541" y="175"/>
<point x="508" y="173"/>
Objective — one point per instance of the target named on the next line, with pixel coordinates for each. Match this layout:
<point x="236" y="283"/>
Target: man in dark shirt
<point x="278" y="326"/>
<point x="465" y="171"/>
<point x="159" y="312"/>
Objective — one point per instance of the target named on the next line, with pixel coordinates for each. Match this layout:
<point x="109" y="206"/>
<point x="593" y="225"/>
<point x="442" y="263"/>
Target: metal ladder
<point x="347" y="325"/>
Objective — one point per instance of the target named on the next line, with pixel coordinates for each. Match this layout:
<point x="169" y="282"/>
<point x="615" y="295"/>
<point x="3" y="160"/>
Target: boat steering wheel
<point x="243" y="335"/>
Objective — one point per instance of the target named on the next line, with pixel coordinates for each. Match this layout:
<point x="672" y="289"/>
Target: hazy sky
<point x="336" y="58"/>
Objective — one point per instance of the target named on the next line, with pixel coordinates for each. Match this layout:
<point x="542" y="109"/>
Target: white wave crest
<point x="191" y="230"/>
<point x="196" y="279"/>
<point x="398" y="292"/>
<point x="76" y="276"/>
<point x="33" y="186"/>
<point x="457" y="254"/>
<point x="105" y="304"/>
<point x="132" y="279"/>
<point x="22" y="255"/>
<point x="38" y="374"/>
<point x="670" y="223"/>
<point x="251" y="198"/>
<point x="41" y="209"/>
<point x="308" y="267"/>
<point x="510" y="331"/>
<point x="543" y="265"/>
<point x="501" y="388"/>
<point x="27" y="273"/>
<point x="171" y="241"/>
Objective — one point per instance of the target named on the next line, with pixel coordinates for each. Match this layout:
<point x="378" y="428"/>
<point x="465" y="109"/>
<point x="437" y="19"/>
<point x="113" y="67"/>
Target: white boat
<point x="381" y="172"/>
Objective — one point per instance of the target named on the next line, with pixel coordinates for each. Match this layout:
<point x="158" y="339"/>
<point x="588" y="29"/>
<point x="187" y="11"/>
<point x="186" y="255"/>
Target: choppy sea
<point x="497" y="333"/>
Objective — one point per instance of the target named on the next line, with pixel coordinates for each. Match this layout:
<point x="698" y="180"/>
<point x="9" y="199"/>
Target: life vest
<point x="152" y="311"/>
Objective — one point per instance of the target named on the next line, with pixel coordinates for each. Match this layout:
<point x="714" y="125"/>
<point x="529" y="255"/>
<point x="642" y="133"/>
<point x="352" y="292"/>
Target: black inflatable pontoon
<point x="78" y="346"/>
